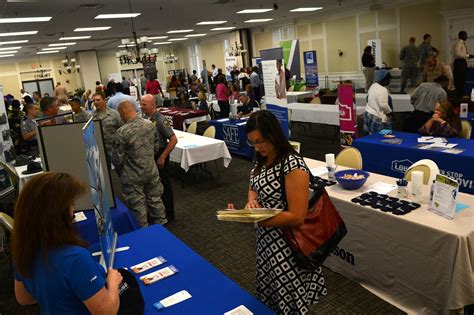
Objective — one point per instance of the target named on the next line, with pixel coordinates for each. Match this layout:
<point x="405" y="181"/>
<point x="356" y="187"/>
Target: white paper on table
<point x="79" y="216"/>
<point x="432" y="140"/>
<point x="222" y="119"/>
<point x="453" y="151"/>
<point x="444" y="196"/>
<point x="242" y="123"/>
<point x="381" y="188"/>
<point x="239" y="310"/>
<point x="439" y="145"/>
<point x="318" y="171"/>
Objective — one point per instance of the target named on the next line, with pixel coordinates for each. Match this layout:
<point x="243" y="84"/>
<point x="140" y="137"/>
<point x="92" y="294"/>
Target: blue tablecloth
<point x="394" y="159"/>
<point x="232" y="132"/>
<point x="122" y="220"/>
<point x="212" y="292"/>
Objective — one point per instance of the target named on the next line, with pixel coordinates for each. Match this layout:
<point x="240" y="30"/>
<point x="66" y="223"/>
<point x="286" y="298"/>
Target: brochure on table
<point x="100" y="197"/>
<point x="444" y="196"/>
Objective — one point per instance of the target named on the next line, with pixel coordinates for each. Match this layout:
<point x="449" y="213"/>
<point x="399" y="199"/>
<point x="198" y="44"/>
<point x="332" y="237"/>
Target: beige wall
<point x="341" y="36"/>
<point x="261" y="40"/>
<point x="108" y="64"/>
<point x="213" y="53"/>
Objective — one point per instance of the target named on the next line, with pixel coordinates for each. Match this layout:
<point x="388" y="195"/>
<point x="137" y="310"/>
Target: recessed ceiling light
<point x="47" y="52"/>
<point x="176" y="39"/>
<point x="9" y="52"/>
<point x="75" y="37"/>
<point x="223" y="28"/>
<point x="61" y="44"/>
<point x="26" y="19"/>
<point x="211" y="22"/>
<point x="306" y="9"/>
<point x="54" y="48"/>
<point x="117" y="16"/>
<point x="91" y="29"/>
<point x="254" y="11"/>
<point x="19" y="33"/>
<point x="158" y="37"/>
<point x="258" y="20"/>
<point x="179" y="31"/>
<point x="1" y="56"/>
<point x="195" y="35"/>
<point x="9" y="48"/>
<point x="14" y="42"/>
<point x="161" y="43"/>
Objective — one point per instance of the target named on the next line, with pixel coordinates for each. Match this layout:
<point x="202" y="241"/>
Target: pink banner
<point x="347" y="114"/>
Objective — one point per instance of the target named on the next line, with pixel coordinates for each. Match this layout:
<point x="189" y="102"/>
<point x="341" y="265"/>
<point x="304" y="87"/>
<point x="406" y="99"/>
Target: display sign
<point x="100" y="197"/>
<point x="311" y="68"/>
<point x="443" y="200"/>
<point x="7" y="150"/>
<point x="274" y="81"/>
<point x="376" y="45"/>
<point x="291" y="56"/>
<point x="230" y="62"/>
<point x="281" y="113"/>
<point x="347" y="115"/>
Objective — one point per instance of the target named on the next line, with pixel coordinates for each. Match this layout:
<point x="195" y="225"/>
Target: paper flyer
<point x="444" y="196"/>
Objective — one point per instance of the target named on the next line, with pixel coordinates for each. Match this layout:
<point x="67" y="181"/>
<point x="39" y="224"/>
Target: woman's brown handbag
<point x="321" y="231"/>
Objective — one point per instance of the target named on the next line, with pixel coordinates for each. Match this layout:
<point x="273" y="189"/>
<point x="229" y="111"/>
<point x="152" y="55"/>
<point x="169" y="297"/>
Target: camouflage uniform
<point x="133" y="156"/>
<point x="83" y="116"/>
<point x="409" y="56"/>
<point x="111" y="121"/>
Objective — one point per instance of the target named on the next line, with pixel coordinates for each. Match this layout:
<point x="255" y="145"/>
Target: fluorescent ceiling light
<point x="211" y="22"/>
<point x="195" y="35"/>
<point x="47" y="52"/>
<point x="75" y="37"/>
<point x="254" y="11"/>
<point x="179" y="31"/>
<point x="19" y="33"/>
<point x="54" y="48"/>
<point x="61" y="44"/>
<point x="223" y="28"/>
<point x="258" y="20"/>
<point x="8" y="48"/>
<point x="158" y="37"/>
<point x="117" y="16"/>
<point x="9" y="52"/>
<point x="26" y="19"/>
<point x="176" y="39"/>
<point x="91" y="29"/>
<point x="161" y="43"/>
<point x="306" y="9"/>
<point x="128" y="45"/>
<point x="14" y="42"/>
<point x="1" y="56"/>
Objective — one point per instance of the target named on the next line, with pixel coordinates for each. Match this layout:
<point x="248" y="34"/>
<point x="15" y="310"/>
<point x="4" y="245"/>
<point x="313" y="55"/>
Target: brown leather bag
<point x="322" y="230"/>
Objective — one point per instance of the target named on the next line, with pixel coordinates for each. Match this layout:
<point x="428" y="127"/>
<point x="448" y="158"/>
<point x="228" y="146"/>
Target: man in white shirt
<point x="215" y="72"/>
<point x="378" y="104"/>
<point x="460" y="56"/>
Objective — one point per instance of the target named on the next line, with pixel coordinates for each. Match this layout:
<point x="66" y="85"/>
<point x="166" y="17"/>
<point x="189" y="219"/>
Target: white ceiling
<point x="157" y="17"/>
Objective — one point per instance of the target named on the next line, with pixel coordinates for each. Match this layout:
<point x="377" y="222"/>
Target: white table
<point x="419" y="262"/>
<point x="401" y="102"/>
<point x="193" y="149"/>
<point x="292" y="96"/>
<point x="233" y="106"/>
<point x="317" y="113"/>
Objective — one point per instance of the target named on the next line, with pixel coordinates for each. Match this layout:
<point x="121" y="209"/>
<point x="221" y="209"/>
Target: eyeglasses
<point x="257" y="143"/>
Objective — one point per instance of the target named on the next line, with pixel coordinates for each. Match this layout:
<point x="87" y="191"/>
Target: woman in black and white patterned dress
<point x="281" y="284"/>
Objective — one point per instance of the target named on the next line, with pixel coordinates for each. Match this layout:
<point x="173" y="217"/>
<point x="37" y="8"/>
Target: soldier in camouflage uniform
<point x="110" y="120"/>
<point x="133" y="156"/>
<point x="79" y="115"/>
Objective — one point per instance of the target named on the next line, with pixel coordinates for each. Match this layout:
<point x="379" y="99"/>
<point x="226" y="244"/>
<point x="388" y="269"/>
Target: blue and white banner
<point x="311" y="68"/>
<point x="281" y="113"/>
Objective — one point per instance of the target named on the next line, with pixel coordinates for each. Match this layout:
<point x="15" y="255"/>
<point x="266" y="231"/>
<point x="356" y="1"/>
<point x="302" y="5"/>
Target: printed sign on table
<point x="347" y="115"/>
<point x="376" y="45"/>
<point x="230" y="61"/>
<point x="311" y="68"/>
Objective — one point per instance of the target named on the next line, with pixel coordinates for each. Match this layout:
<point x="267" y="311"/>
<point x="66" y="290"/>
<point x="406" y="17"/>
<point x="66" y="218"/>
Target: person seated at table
<point x="183" y="101"/>
<point x="53" y="266"/>
<point x="433" y="68"/>
<point x="247" y="105"/>
<point x="378" y="109"/>
<point x="79" y="115"/>
<point x="202" y="100"/>
<point x="233" y="92"/>
<point x="443" y="123"/>
<point x="250" y="92"/>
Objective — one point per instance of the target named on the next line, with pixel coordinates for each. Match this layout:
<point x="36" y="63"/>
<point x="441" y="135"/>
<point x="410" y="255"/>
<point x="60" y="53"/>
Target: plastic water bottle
<point x="432" y="190"/>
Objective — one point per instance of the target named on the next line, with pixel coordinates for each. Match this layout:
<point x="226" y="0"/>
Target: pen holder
<point x="331" y="172"/>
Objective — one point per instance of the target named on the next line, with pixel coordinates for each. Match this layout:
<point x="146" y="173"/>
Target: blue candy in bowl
<point x="351" y="179"/>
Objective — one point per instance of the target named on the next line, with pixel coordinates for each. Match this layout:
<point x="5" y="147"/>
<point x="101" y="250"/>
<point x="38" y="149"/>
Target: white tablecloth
<point x="419" y="262"/>
<point x="401" y="102"/>
<point x="317" y="113"/>
<point x="194" y="149"/>
<point x="215" y="106"/>
<point x="292" y="97"/>
<point x="22" y="177"/>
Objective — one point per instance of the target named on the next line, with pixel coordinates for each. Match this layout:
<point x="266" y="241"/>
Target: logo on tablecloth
<point x="231" y="134"/>
<point x="401" y="166"/>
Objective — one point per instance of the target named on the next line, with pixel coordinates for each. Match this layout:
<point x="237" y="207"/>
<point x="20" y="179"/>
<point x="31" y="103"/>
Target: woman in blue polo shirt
<point x="52" y="264"/>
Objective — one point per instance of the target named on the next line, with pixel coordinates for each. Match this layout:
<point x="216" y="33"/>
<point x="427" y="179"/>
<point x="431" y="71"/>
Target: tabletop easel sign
<point x="445" y="192"/>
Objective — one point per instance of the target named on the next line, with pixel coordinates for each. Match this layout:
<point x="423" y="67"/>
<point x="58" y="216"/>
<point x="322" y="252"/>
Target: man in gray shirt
<point x="167" y="143"/>
<point x="255" y="82"/>
<point x="28" y="128"/>
<point x="424" y="100"/>
<point x="409" y="56"/>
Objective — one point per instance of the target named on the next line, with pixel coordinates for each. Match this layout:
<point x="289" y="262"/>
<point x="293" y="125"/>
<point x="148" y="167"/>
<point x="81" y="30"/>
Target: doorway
<point x="41" y="86"/>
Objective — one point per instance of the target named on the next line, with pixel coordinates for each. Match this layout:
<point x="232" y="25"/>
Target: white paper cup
<point x="330" y="159"/>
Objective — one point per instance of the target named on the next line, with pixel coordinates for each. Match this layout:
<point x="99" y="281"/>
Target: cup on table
<point x="416" y="185"/>
<point x="402" y="188"/>
<point x="331" y="165"/>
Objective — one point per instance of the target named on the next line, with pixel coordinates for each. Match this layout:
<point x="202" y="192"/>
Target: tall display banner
<point x="274" y="81"/>
<point x="100" y="197"/>
<point x="376" y="45"/>
<point x="291" y="55"/>
<point x="347" y="115"/>
<point x="230" y="61"/>
<point x="281" y="113"/>
<point x="311" y="68"/>
<point x="7" y="150"/>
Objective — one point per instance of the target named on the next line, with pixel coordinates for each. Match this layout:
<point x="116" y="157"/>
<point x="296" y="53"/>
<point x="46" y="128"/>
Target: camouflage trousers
<point x="144" y="201"/>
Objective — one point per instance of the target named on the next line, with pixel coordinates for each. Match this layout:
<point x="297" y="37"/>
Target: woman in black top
<point x="368" y="62"/>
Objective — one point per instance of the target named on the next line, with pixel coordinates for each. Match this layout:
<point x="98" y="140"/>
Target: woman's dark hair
<point x="16" y="104"/>
<point x="43" y="220"/>
<point x="28" y="99"/>
<point x="449" y="116"/>
<point x="368" y="49"/>
<point x="265" y="122"/>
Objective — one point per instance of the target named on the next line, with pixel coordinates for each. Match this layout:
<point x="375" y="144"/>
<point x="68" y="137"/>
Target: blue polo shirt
<point x="69" y="277"/>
